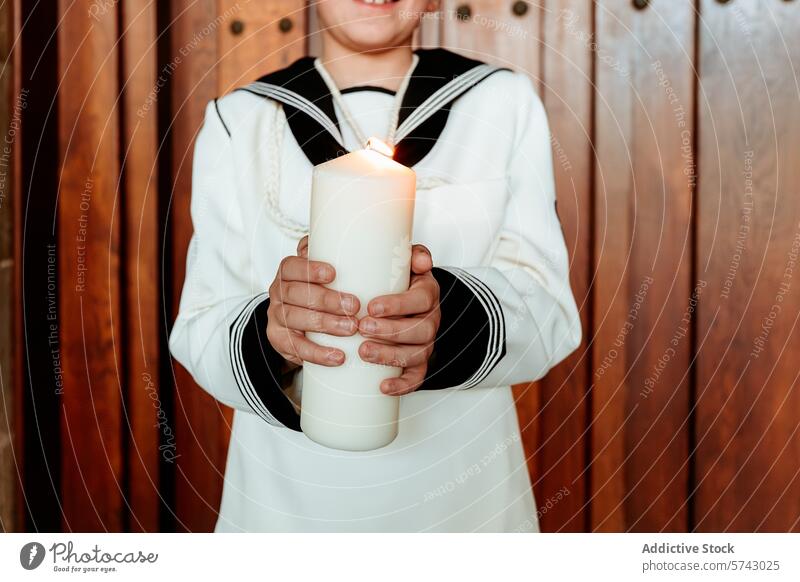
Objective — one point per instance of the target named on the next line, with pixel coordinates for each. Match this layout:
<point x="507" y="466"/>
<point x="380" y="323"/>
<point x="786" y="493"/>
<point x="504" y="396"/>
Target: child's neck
<point x="350" y="68"/>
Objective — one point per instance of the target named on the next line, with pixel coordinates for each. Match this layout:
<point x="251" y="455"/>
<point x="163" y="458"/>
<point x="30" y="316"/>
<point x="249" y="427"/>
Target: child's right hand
<point x="298" y="303"/>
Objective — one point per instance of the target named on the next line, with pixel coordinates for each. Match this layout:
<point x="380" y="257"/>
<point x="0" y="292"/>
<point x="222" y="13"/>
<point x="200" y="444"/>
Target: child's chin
<point x="364" y="37"/>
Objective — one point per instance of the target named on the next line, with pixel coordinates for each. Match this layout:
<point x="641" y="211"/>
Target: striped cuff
<point x="257" y="367"/>
<point x="471" y="338"/>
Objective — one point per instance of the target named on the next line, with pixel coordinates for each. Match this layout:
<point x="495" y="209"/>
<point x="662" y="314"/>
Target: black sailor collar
<point x="439" y="79"/>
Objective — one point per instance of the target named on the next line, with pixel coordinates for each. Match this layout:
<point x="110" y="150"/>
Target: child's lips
<point x="377" y="2"/>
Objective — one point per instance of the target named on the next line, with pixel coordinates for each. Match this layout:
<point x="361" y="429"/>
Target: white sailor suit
<point x="478" y="139"/>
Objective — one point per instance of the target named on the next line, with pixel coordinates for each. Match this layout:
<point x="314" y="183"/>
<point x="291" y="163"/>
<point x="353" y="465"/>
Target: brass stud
<point x="237" y="27"/>
<point x="464" y="12"/>
<point x="285" y="24"/>
<point x="520" y="8"/>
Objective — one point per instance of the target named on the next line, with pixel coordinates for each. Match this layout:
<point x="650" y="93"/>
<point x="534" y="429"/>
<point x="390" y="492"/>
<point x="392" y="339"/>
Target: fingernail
<point x="325" y="273"/>
<point x="335" y="356"/>
<point x="345" y="324"/>
<point x="378" y="309"/>
<point x="369" y="325"/>
<point x="348" y="303"/>
<point x="387" y="387"/>
<point x="368" y="351"/>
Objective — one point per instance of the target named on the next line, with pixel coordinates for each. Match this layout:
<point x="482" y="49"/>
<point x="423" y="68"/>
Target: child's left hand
<point x="404" y="326"/>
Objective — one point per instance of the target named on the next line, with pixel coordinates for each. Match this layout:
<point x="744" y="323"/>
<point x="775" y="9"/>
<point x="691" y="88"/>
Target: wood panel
<point x="89" y="269"/>
<point x="200" y="423"/>
<point x="564" y="407"/>
<point x="313" y="38"/>
<point x="40" y="414"/>
<point x="18" y="377"/>
<point x="145" y="416"/>
<point x="748" y="447"/>
<point x="639" y="438"/>
<point x="493" y="33"/>
<point x="9" y="338"/>
<point x="268" y="36"/>
<point x="644" y="179"/>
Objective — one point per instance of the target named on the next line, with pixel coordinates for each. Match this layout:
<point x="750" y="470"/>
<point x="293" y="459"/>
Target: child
<point x="489" y="304"/>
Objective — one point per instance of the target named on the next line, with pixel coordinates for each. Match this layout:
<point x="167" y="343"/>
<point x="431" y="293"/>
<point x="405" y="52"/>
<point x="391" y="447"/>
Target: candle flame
<point x="379" y="146"/>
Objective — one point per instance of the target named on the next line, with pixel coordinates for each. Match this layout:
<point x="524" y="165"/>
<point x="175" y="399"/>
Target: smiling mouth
<point x="377" y="2"/>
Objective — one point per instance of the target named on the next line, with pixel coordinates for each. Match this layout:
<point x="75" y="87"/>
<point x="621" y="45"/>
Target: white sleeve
<point x="219" y="335"/>
<point x="513" y="320"/>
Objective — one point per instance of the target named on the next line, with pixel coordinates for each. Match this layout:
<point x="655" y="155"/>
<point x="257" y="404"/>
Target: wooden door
<point x="674" y="129"/>
<point x="746" y="442"/>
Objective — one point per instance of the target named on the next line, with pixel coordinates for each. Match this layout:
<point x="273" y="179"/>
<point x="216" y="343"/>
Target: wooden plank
<point x="564" y="409"/>
<point x="200" y="424"/>
<point x="42" y="381"/>
<point x="644" y="179"/>
<point x="145" y="420"/>
<point x="269" y="36"/>
<point x="748" y="446"/>
<point x="9" y="337"/>
<point x="18" y="378"/>
<point x="314" y="38"/>
<point x="429" y="33"/>
<point x="89" y="269"/>
<point x="493" y="33"/>
<point x="611" y="242"/>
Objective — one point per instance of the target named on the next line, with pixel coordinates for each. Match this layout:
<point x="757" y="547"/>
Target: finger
<point x="407" y="382"/>
<point x="421" y="297"/>
<point x="297" y="344"/>
<point x="408" y="330"/>
<point x="302" y="319"/>
<point x="399" y="356"/>
<point x="421" y="259"/>
<point x="318" y="298"/>
<point x="301" y="269"/>
<point x="302" y="247"/>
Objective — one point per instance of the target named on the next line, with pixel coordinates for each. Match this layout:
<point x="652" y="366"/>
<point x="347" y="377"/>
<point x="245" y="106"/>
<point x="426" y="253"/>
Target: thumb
<point x="302" y="247"/>
<point x="421" y="260"/>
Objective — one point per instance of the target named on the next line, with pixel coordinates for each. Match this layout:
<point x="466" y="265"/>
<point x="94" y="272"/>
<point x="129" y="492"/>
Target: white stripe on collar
<point x="296" y="100"/>
<point x="442" y="97"/>
<point x="420" y="115"/>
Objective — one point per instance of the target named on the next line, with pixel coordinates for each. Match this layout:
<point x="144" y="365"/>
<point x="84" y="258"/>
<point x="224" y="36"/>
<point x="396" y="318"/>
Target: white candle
<point x="362" y="209"/>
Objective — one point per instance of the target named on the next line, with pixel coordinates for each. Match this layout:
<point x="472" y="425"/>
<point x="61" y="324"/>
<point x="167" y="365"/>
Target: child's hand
<point x="404" y="326"/>
<point x="299" y="303"/>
